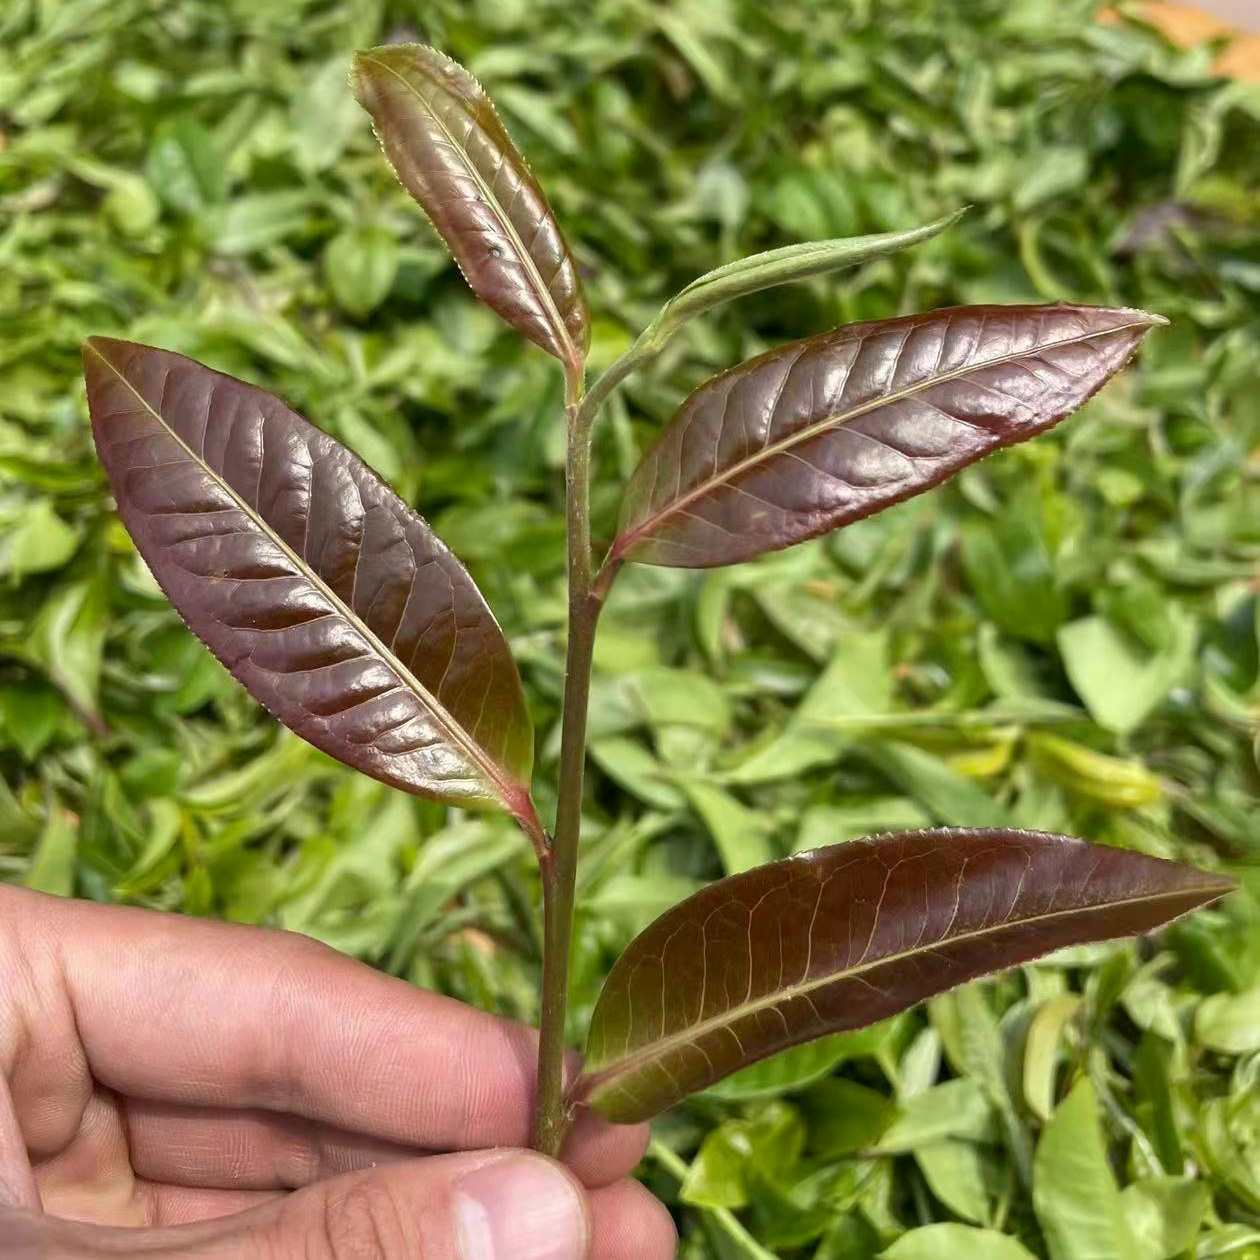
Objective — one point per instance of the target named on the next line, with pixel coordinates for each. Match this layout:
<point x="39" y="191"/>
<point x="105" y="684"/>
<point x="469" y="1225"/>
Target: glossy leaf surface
<point x="325" y="595"/>
<point x="841" y="937"/>
<point x="452" y="154"/>
<point x="825" y="431"/>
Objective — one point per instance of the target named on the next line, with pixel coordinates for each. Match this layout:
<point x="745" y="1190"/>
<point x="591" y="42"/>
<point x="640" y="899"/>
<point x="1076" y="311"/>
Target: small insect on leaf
<point x="330" y="600"/>
<point x="452" y="154"/>
<point x="821" y="432"/>
<point x="842" y="937"/>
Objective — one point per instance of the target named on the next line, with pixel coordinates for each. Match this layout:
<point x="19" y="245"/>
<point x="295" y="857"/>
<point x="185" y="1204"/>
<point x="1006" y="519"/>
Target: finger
<point x="488" y="1205"/>
<point x="140" y="1202"/>
<point x="17" y="1182"/>
<point x="93" y="1180"/>
<point x="25" y="1235"/>
<point x="601" y="1153"/>
<point x="212" y="1014"/>
<point x="33" y="1236"/>
<point x="260" y="1150"/>
<point x="246" y="1150"/>
<point x="165" y="1205"/>
<point x="631" y="1223"/>
<point x="174" y="1221"/>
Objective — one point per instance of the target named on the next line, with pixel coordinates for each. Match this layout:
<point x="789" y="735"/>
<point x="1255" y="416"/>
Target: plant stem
<point x="648" y="345"/>
<point x="559" y="864"/>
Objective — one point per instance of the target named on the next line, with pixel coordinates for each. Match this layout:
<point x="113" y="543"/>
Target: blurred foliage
<point x="1065" y="639"/>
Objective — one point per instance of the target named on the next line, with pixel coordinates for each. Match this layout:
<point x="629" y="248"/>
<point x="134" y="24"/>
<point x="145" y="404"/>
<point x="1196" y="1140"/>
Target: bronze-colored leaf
<point x="330" y="600"/>
<point x="452" y="154"/>
<point x="828" y="430"/>
<point x="842" y="937"/>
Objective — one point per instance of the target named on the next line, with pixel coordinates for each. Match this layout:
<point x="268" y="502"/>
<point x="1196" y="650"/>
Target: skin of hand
<point x="177" y="1088"/>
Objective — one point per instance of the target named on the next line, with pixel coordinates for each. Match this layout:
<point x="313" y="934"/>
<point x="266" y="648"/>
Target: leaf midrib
<point x="625" y="542"/>
<point x="544" y="293"/>
<point x="658" y="1049"/>
<point x="444" y="718"/>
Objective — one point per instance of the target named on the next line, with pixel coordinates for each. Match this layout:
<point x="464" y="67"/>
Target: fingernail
<point x="519" y="1208"/>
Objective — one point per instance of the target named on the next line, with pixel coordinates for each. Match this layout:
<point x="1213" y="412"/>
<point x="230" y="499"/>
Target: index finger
<point x="196" y="1012"/>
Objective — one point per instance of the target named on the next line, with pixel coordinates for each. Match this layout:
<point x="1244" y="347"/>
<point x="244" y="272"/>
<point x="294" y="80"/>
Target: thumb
<point x="487" y="1205"/>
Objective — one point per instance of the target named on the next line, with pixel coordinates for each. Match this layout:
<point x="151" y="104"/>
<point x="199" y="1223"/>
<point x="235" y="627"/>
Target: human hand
<point x="172" y="1087"/>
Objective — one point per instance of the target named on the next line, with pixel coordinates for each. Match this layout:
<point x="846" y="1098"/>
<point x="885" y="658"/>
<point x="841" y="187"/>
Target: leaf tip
<point x="1216" y="885"/>
<point x="938" y="225"/>
<point x="367" y="63"/>
<point x="361" y="64"/>
<point x="390" y="56"/>
<point x="378" y="52"/>
<point x="1146" y="319"/>
<point x="97" y="349"/>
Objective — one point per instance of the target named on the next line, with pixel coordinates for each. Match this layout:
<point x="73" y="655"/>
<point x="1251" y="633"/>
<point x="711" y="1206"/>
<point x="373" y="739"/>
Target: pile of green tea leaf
<point x="1068" y="639"/>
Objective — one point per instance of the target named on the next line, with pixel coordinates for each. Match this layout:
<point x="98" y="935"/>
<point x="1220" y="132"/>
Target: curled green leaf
<point x="749" y="275"/>
<point x="802" y="261"/>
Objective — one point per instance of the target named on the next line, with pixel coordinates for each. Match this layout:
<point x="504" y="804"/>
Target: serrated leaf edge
<point x="625" y="541"/>
<point x="1212" y="886"/>
<point x="515" y="797"/>
<point x="573" y="358"/>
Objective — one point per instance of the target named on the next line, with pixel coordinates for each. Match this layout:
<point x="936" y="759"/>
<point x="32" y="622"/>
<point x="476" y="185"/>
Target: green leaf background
<point x="1065" y="639"/>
